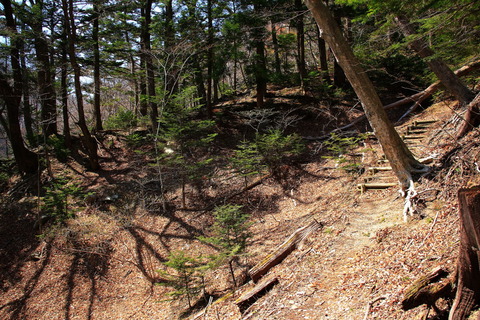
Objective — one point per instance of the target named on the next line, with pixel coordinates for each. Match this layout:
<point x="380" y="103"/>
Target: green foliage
<point x="3" y="179"/>
<point x="184" y="139"/>
<point x="230" y="233"/>
<point x="230" y="229"/>
<point x="56" y="202"/>
<point x="268" y="150"/>
<point x="275" y="148"/>
<point x="7" y="168"/>
<point x="340" y="146"/>
<point x="225" y="89"/>
<point x="122" y="119"/>
<point x="59" y="148"/>
<point x="187" y="279"/>
<point x="286" y="41"/>
<point x="247" y="160"/>
<point x="135" y="139"/>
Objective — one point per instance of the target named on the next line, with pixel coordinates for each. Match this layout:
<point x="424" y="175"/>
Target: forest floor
<point x="104" y="264"/>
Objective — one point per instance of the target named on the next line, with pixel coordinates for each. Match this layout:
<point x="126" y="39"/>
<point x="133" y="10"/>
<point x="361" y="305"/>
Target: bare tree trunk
<point x="215" y="89"/>
<point x="260" y="63"/>
<point x="27" y="107"/>
<point x="89" y="141"/>
<point x="401" y="159"/>
<point x="172" y="70"/>
<point x="96" y="68"/>
<point x="209" y="60"/>
<point x="300" y="42"/>
<point x="468" y="267"/>
<point x="150" y="75"/>
<point x="323" y="57"/>
<point x="44" y="76"/>
<point x="27" y="161"/>
<point x="275" y="48"/>
<point x="64" y="91"/>
<point x="197" y="71"/>
<point x="339" y="77"/>
<point x="142" y="82"/>
<point x="133" y="71"/>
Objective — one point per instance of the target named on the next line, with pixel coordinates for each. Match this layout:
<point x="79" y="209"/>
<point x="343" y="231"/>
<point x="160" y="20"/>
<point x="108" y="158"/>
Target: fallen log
<point x="283" y="250"/>
<point x="249" y="297"/>
<point x="428" y="289"/>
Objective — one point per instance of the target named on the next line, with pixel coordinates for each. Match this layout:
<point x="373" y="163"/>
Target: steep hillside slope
<point x="103" y="265"/>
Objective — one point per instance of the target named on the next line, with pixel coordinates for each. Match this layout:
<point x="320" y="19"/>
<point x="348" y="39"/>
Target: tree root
<point x="409" y="192"/>
<point x="409" y="208"/>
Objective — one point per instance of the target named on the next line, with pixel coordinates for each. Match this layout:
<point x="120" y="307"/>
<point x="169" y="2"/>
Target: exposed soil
<point x="103" y="265"/>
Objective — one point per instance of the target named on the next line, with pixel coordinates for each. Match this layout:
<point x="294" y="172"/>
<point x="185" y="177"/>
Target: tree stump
<point x="468" y="266"/>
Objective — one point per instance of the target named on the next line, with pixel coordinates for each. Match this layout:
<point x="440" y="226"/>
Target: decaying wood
<point x="468" y="269"/>
<point x="249" y="297"/>
<point x="283" y="250"/>
<point x="428" y="289"/>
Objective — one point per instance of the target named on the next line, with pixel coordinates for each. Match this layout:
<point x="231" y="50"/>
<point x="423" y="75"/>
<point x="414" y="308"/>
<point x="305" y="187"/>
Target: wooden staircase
<point x="380" y="175"/>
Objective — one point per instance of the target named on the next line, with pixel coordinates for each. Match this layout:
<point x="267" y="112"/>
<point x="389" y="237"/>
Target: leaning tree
<point x="401" y="159"/>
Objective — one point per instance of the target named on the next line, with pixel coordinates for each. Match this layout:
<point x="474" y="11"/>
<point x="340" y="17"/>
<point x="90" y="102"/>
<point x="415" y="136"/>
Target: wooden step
<point x="376" y="186"/>
<point x="377" y="169"/>
<point x="418" y="127"/>
<point x="411" y="137"/>
<point x="382" y="179"/>
<point x="423" y="122"/>
<point x="415" y="131"/>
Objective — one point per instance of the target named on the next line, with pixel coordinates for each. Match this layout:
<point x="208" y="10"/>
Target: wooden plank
<point x="372" y="170"/>
<point x="380" y="179"/>
<point x="423" y="122"/>
<point x="282" y="251"/>
<point x="410" y="137"/>
<point x="415" y="131"/>
<point x="249" y="297"/>
<point x="364" y="186"/>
